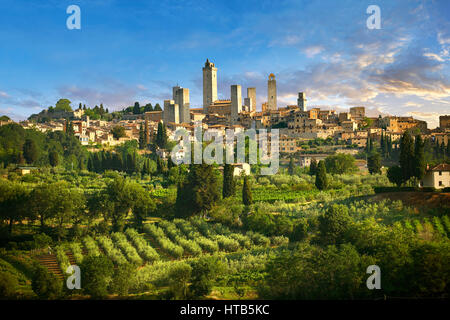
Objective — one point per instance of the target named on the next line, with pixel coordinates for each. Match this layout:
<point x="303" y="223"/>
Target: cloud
<point x="313" y="51"/>
<point x="432" y="118"/>
<point x="3" y="94"/>
<point x="112" y="94"/>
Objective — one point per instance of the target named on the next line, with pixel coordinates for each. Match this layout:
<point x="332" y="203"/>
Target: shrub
<point x="142" y="247"/>
<point x="91" y="246"/>
<point x="45" y="284"/>
<point x="113" y="253"/>
<point x="97" y="275"/>
<point x="8" y="285"/>
<point x="129" y="251"/>
<point x="279" y="240"/>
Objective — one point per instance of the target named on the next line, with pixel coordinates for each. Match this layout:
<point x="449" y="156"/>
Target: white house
<point x="437" y="177"/>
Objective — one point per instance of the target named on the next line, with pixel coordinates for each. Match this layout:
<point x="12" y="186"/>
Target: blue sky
<point x="137" y="50"/>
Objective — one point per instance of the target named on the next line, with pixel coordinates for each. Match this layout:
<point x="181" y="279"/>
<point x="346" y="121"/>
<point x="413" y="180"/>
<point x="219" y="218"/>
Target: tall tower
<point x="272" y="92"/>
<point x="251" y="93"/>
<point x="209" y="85"/>
<point x="171" y="113"/>
<point x="236" y="101"/>
<point x="301" y="101"/>
<point x="181" y="97"/>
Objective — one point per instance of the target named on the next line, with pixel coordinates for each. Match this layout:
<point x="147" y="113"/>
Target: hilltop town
<point x="298" y="124"/>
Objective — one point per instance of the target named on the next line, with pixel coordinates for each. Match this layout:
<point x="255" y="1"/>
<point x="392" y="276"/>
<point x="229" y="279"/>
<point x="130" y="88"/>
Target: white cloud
<point x="313" y="51"/>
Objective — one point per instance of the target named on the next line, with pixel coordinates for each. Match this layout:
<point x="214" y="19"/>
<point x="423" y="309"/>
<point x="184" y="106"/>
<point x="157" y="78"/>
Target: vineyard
<point x="166" y="242"/>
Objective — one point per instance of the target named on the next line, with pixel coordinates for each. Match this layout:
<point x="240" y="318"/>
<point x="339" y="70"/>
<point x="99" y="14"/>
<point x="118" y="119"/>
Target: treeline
<point x="129" y="162"/>
<point x="19" y="146"/>
<point x="57" y="205"/>
<point x="138" y="109"/>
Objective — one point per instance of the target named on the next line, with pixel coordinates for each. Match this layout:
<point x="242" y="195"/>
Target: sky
<point x="137" y="50"/>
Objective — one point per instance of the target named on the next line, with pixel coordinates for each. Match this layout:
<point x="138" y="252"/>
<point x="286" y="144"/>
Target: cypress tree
<point x="368" y="145"/>
<point x="247" y="197"/>
<point x="419" y="158"/>
<point x="374" y="163"/>
<point x="142" y="138"/>
<point x="321" y="176"/>
<point x="228" y="181"/>
<point x="407" y="156"/>
<point x="91" y="164"/>
<point x="30" y="151"/>
<point x="291" y="168"/>
<point x="313" y="167"/>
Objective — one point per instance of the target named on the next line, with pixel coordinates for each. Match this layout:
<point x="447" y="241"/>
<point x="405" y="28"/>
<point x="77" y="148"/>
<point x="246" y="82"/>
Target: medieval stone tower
<point x="272" y="92"/>
<point x="236" y="102"/>
<point x="251" y="93"/>
<point x="209" y="85"/>
<point x="301" y="101"/>
<point x="181" y="97"/>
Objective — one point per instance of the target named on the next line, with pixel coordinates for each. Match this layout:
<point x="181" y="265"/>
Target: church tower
<point x="209" y="85"/>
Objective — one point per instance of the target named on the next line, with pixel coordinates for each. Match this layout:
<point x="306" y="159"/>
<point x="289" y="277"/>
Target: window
<point x="440" y="183"/>
<point x="440" y="173"/>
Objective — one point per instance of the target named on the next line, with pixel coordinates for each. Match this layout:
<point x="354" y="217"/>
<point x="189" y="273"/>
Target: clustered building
<point x="296" y="123"/>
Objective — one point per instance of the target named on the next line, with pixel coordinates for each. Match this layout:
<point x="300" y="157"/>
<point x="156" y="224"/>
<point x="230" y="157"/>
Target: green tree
<point x="30" y="151"/>
<point x="14" y="201"/>
<point x="200" y="191"/>
<point x="407" y="156"/>
<point x="8" y="286"/>
<point x="374" y="163"/>
<point x="136" y="108"/>
<point x="291" y="168"/>
<point x="321" y="176"/>
<point x="119" y="198"/>
<point x="419" y="158"/>
<point x="228" y="189"/>
<point x="45" y="284"/>
<point x="123" y="279"/>
<point x="334" y="224"/>
<point x="53" y="158"/>
<point x="204" y="272"/>
<point x="395" y="175"/>
<point x="97" y="272"/>
<point x="63" y="105"/>
<point x="56" y="201"/>
<point x="142" y="138"/>
<point x="161" y="135"/>
<point x="313" y="167"/>
<point x="247" y="198"/>
<point x="179" y="278"/>
<point x="118" y="132"/>
<point x="340" y="163"/>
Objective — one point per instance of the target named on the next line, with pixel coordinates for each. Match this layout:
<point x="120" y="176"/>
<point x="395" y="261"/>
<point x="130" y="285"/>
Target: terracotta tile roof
<point x="441" y="167"/>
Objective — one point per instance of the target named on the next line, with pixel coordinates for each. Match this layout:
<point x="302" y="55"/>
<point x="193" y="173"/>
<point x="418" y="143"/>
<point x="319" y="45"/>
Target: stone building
<point x="301" y="101"/>
<point x="272" y="93"/>
<point x="358" y="113"/>
<point x="171" y="112"/>
<point x="236" y="102"/>
<point x="251" y="95"/>
<point x="444" y="122"/>
<point x="181" y="98"/>
<point x="209" y="85"/>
